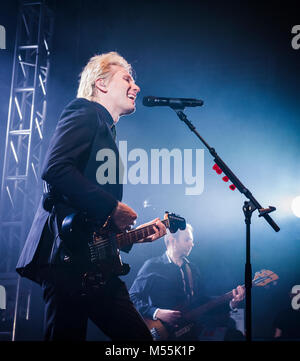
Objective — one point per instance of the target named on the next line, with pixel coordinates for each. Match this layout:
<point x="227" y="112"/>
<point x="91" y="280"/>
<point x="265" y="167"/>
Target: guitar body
<point x="92" y="248"/>
<point x="158" y="330"/>
<point x="96" y="250"/>
<point x="185" y="331"/>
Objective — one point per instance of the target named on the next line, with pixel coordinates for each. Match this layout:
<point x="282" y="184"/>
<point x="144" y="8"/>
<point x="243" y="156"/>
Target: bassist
<point x="170" y="280"/>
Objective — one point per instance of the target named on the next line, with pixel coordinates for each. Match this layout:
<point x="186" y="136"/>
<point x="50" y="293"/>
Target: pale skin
<point x="177" y="249"/>
<point x="117" y="94"/>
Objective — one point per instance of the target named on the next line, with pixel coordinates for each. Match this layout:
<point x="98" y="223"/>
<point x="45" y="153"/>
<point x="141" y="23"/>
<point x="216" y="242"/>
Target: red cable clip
<point x="217" y="169"/>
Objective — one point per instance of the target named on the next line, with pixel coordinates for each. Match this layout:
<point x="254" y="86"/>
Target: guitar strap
<point x="113" y="131"/>
<point x="190" y="279"/>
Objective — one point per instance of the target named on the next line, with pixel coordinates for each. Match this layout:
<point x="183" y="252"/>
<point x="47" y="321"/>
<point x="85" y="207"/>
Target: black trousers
<point x="109" y="307"/>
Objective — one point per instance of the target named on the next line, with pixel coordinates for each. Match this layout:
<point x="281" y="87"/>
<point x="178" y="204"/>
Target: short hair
<point x="175" y="235"/>
<point x="99" y="66"/>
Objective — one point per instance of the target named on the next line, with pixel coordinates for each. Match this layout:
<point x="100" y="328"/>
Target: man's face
<point x="122" y="91"/>
<point x="184" y="243"/>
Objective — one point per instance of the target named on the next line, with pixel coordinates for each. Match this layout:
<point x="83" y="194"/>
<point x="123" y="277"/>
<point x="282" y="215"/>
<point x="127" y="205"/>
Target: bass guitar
<point x="162" y="332"/>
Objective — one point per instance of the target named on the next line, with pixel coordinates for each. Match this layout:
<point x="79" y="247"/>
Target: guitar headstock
<point x="176" y="222"/>
<point x="264" y="277"/>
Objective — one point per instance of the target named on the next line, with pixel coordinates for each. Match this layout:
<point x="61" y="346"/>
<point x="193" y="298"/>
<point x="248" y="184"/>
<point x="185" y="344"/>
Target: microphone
<point x="151" y="101"/>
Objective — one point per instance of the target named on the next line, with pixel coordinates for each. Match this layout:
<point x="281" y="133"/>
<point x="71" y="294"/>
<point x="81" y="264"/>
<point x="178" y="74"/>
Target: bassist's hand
<point x="238" y="295"/>
<point x="123" y="217"/>
<point x="169" y="316"/>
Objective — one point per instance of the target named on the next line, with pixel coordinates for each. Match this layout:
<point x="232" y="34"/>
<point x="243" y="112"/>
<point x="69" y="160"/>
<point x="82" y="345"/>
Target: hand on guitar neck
<point x="159" y="230"/>
<point x="238" y="296"/>
<point x="123" y="217"/>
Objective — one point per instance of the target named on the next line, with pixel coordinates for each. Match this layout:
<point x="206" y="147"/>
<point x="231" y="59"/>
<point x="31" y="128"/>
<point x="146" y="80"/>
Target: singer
<point x="106" y="92"/>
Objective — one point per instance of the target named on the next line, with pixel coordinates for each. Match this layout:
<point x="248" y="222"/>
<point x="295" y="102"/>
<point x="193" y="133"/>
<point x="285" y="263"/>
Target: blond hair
<point x="99" y="67"/>
<point x="168" y="236"/>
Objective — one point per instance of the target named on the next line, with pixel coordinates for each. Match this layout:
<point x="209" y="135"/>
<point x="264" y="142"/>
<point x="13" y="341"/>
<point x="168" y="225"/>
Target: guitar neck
<point x="199" y="311"/>
<point x="136" y="235"/>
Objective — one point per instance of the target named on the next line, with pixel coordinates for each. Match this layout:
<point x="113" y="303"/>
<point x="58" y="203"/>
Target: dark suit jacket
<point x="70" y="167"/>
<point x="159" y="284"/>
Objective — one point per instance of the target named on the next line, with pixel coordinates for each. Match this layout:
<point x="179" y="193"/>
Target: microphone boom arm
<point x="248" y="208"/>
<point x="227" y="171"/>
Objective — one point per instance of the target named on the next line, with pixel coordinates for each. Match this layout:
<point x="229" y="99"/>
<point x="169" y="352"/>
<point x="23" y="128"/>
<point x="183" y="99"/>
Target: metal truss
<point x="21" y="185"/>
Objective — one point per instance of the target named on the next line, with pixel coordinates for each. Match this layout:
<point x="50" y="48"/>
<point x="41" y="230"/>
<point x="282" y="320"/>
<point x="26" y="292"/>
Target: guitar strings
<point x="138" y="233"/>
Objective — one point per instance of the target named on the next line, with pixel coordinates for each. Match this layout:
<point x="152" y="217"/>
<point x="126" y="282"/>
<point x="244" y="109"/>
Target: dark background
<point x="237" y="57"/>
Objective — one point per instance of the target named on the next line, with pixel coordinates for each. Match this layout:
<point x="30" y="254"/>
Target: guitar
<point x="96" y="249"/>
<point x="162" y="332"/>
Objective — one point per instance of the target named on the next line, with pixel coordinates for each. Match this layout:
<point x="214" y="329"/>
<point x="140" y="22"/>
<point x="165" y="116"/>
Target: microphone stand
<point x="248" y="208"/>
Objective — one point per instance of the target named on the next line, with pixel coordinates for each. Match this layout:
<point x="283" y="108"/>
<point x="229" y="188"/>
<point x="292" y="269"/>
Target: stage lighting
<point x="296" y="206"/>
<point x="146" y="204"/>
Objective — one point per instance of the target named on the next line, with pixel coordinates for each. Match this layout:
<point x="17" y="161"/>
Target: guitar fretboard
<point x="209" y="306"/>
<point x="134" y="236"/>
<point x="263" y="278"/>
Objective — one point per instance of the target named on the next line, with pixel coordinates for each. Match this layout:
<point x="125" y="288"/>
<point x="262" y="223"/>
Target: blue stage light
<point x="296" y="206"/>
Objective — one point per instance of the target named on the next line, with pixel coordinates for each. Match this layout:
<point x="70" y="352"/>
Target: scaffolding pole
<point x="21" y="185"/>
